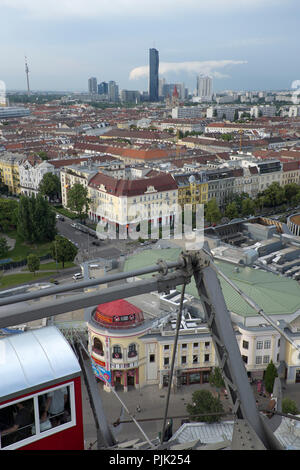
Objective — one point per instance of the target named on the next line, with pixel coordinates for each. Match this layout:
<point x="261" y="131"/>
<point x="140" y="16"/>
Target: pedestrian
<point x="138" y="409"/>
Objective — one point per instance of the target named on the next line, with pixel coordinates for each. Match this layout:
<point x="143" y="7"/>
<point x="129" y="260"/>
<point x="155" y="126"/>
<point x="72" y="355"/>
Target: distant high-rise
<point x="153" y="74"/>
<point x="103" y="88"/>
<point x="92" y="85"/>
<point x="204" y="87"/>
<point x="113" y="91"/>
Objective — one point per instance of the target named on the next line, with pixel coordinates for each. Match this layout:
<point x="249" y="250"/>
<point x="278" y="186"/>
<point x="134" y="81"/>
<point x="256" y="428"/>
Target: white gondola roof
<point x="34" y="359"/>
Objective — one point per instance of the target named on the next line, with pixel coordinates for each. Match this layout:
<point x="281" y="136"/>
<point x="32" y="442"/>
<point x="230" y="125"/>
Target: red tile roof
<point x="129" y="188"/>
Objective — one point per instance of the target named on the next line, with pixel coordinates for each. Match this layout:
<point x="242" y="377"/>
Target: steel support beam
<point x="226" y="347"/>
<point x="23" y="313"/>
<point x="161" y="266"/>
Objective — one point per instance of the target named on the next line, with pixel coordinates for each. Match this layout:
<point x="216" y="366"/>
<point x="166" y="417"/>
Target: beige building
<point x="130" y="201"/>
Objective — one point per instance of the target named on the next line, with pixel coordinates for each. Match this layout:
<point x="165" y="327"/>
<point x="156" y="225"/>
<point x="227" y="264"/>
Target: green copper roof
<point x="274" y="294"/>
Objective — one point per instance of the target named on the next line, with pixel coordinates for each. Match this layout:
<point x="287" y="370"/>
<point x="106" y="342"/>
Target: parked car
<point x="96" y="242"/>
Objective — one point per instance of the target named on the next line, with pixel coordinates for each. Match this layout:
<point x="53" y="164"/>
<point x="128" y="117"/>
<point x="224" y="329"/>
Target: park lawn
<point x="10" y="280"/>
<point x="52" y="266"/>
<point x="23" y="249"/>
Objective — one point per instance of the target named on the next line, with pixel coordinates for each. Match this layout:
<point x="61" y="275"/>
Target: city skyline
<point x="245" y="46"/>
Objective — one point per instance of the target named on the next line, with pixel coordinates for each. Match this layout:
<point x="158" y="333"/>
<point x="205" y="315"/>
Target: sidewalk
<point x="152" y="402"/>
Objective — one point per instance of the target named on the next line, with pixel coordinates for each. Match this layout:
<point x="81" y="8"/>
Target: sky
<point x="242" y="44"/>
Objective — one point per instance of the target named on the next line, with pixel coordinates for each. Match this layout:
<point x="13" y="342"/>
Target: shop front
<point x="194" y="376"/>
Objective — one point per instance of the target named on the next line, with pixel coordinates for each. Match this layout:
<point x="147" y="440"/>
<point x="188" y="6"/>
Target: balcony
<point x="117" y="355"/>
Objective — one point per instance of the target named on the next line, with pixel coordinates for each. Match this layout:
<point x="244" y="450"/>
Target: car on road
<point x="96" y="242"/>
<point x="55" y="282"/>
<point x="73" y="225"/>
<point x="77" y="276"/>
<point x="60" y="217"/>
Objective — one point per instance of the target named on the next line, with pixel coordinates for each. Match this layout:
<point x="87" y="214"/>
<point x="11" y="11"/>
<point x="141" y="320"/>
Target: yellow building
<point x="192" y="189"/>
<point x="9" y="171"/>
<point x="128" y="350"/>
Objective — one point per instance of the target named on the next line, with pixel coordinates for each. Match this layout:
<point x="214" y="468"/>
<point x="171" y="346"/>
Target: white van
<point x="77" y="276"/>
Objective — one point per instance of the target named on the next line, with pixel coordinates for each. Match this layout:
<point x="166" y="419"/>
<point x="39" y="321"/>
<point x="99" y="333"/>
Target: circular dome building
<point x="115" y="348"/>
<point x="293" y="223"/>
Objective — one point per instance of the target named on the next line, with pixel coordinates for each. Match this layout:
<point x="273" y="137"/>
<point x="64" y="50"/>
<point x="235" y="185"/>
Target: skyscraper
<point x="204" y="87"/>
<point x="103" y="88"/>
<point x="153" y="74"/>
<point x="92" y="85"/>
<point x="113" y="91"/>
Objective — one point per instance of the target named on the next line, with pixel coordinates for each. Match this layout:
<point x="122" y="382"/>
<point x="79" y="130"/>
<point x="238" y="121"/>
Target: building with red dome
<point x="115" y="348"/>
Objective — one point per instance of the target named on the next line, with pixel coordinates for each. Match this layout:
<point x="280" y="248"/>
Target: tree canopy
<point x="212" y="212"/>
<point x="78" y="200"/>
<point x="35" y="219"/>
<point x="62" y="250"/>
<point x="204" y="403"/>
<point x="270" y="375"/>
<point x="50" y="186"/>
<point x="33" y="263"/>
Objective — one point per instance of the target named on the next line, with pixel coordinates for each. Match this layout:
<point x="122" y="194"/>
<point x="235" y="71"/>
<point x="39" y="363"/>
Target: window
<point x="206" y="357"/>
<point x="196" y="345"/>
<point x="267" y="344"/>
<point x="245" y="344"/>
<point x="16" y="422"/>
<point x="183" y="359"/>
<point x="184" y="346"/>
<point x="166" y="347"/>
<point x="43" y="413"/>
<point x="98" y="347"/>
<point x="207" y="344"/>
<point x="152" y="358"/>
<point x="245" y="359"/>
<point x="132" y="350"/>
<point x="117" y="353"/>
<point x="166" y="361"/>
<point x="195" y="359"/>
<point x="266" y="359"/>
<point x="258" y="360"/>
<point x="259" y="345"/>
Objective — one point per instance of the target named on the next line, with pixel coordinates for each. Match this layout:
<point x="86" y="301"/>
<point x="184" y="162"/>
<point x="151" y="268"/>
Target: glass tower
<point x="153" y="74"/>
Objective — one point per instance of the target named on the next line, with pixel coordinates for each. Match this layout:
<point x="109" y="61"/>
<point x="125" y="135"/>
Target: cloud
<point x="206" y="67"/>
<point x="99" y="9"/>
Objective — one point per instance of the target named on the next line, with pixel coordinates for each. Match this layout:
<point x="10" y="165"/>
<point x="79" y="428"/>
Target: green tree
<point x="216" y="379"/>
<point x="50" y="186"/>
<point x="248" y="207"/>
<point x="231" y="211"/>
<point x="78" y="200"/>
<point x="273" y="195"/>
<point x="204" y="403"/>
<point x="289" y="406"/>
<point x="291" y="190"/>
<point x="270" y="375"/>
<point x="35" y="219"/>
<point x="43" y="155"/>
<point x="33" y="263"/>
<point x="227" y="137"/>
<point x="3" y="247"/>
<point x="62" y="250"/>
<point x="212" y="211"/>
<point x="8" y="209"/>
